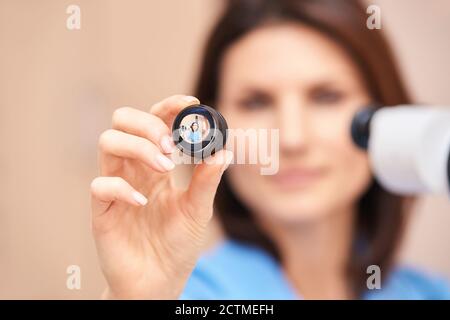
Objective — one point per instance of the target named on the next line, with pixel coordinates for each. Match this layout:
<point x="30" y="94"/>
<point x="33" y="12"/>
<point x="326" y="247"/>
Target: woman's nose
<point x="293" y="126"/>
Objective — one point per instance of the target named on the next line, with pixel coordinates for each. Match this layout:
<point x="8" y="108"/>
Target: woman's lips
<point x="295" y="178"/>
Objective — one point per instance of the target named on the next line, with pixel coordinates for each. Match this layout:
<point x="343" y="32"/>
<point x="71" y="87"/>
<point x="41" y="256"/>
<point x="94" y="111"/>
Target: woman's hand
<point x="148" y="233"/>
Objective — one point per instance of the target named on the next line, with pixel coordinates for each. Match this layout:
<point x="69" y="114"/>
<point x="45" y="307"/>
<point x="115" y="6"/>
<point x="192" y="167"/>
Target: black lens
<point x="199" y="131"/>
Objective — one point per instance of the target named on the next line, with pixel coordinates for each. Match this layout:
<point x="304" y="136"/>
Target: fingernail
<point x="167" y="144"/>
<point x="165" y="162"/>
<point x="190" y="99"/>
<point x="139" y="198"/>
<point x="228" y="160"/>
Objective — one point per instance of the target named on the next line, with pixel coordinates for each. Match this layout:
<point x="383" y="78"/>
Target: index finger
<point x="168" y="108"/>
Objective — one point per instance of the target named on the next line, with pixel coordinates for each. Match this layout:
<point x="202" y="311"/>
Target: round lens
<point x="199" y="131"/>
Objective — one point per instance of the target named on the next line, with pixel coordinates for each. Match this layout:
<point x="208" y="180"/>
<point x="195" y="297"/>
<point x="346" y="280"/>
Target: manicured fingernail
<point x="139" y="198"/>
<point x="165" y="162"/>
<point x="167" y="144"/>
<point x="228" y="160"/>
<point x="190" y="99"/>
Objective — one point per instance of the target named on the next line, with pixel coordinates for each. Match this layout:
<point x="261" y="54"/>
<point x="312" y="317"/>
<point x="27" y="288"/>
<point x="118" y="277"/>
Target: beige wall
<point x="58" y="89"/>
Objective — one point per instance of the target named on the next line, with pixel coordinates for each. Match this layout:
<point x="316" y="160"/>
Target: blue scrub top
<point x="234" y="270"/>
<point x="194" y="136"/>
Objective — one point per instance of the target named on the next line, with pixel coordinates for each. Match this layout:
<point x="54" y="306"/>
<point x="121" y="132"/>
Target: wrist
<point x="166" y="294"/>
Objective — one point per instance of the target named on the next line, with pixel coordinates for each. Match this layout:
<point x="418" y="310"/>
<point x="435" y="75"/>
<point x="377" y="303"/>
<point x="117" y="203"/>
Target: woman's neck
<point x="314" y="254"/>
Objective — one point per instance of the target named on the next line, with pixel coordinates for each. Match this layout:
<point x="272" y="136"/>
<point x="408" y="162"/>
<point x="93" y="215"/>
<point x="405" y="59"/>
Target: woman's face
<point x="292" y="78"/>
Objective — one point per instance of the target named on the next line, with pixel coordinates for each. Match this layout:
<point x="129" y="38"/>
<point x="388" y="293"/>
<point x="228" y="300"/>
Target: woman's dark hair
<point x="381" y="215"/>
<point x="192" y="124"/>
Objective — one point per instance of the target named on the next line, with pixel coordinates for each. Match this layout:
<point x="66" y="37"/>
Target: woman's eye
<point x="254" y="103"/>
<point x="327" y="96"/>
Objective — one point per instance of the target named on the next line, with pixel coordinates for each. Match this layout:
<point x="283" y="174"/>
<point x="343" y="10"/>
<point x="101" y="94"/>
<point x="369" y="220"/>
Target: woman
<point x="194" y="134"/>
<point x="312" y="229"/>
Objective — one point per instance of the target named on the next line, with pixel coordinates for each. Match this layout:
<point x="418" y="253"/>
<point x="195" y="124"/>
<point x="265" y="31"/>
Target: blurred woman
<point x="194" y="134"/>
<point x="309" y="231"/>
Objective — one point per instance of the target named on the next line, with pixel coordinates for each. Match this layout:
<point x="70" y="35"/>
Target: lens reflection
<point x="194" y="128"/>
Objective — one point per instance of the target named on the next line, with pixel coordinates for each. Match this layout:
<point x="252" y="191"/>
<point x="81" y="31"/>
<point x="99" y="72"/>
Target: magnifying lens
<point x="199" y="131"/>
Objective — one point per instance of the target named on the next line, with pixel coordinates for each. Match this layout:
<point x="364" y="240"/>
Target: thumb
<point x="205" y="180"/>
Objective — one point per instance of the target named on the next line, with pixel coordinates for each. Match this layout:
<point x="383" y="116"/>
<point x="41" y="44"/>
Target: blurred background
<point x="59" y="87"/>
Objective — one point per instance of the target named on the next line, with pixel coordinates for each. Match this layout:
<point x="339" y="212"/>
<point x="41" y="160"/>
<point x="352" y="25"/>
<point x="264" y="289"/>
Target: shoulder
<point x="234" y="270"/>
<point x="405" y="282"/>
